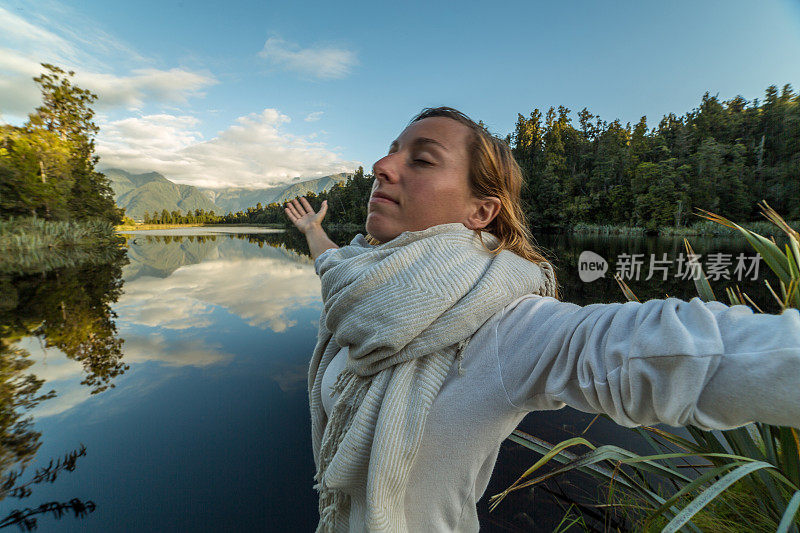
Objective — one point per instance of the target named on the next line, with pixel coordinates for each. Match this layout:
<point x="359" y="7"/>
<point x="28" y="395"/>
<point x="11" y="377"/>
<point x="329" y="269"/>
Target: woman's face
<point x="426" y="179"/>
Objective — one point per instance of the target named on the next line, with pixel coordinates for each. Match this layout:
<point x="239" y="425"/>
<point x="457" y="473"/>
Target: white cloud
<point x="322" y="62"/>
<point x="24" y="45"/>
<point x="315" y="116"/>
<point x="145" y="86"/>
<point x="253" y="152"/>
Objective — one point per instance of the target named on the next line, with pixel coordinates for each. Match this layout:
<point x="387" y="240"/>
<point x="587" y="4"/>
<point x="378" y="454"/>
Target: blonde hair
<point x="493" y="171"/>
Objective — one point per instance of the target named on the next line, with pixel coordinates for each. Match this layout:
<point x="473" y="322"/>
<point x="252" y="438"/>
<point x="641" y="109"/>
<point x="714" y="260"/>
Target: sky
<point x="253" y="94"/>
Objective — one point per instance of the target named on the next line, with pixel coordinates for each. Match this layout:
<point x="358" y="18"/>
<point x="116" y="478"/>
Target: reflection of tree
<point x="26" y="518"/>
<point x="19" y="392"/>
<point x="70" y="310"/>
<point x="296" y="241"/>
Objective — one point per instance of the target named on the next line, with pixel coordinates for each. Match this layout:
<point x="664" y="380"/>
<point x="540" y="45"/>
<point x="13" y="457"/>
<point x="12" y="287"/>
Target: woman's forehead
<point x="450" y="134"/>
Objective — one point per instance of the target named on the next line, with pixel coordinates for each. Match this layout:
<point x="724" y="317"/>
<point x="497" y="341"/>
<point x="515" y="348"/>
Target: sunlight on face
<point x="424" y="180"/>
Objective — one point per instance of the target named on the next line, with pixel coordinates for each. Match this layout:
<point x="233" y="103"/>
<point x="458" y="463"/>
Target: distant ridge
<point x="151" y="192"/>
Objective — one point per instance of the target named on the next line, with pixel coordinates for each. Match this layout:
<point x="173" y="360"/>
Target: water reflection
<point x="67" y="309"/>
<point x="186" y="280"/>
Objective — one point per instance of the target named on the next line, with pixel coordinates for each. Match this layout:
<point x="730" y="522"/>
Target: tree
<point x="66" y="112"/>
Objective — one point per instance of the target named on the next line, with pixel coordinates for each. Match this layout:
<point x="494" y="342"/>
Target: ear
<point x="483" y="212"/>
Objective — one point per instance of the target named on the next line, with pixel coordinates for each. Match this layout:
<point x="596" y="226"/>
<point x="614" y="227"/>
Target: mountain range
<point x="151" y="192"/>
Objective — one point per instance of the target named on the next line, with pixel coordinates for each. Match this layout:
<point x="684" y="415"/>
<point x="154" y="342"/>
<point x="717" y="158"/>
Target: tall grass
<point x="703" y="227"/>
<point x="749" y="479"/>
<point x="605" y="229"/>
<point x="710" y="227"/>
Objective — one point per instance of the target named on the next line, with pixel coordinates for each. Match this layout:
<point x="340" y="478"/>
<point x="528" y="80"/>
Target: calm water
<point x="179" y="379"/>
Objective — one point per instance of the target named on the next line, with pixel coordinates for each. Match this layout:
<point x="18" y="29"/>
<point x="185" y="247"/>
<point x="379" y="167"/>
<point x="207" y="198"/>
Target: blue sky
<point x="255" y="93"/>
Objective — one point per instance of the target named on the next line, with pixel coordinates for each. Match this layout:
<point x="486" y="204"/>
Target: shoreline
<point x="144" y="227"/>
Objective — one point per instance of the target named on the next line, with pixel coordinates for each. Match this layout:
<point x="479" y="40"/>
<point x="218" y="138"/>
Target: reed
<point x="749" y="479"/>
<point x="703" y="227"/>
<point x="605" y="229"/>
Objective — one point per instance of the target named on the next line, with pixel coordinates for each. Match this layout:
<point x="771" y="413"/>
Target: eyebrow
<point x="420" y="141"/>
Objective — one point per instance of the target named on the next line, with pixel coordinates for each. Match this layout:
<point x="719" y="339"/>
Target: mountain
<point x="238" y="199"/>
<point x="152" y="192"/>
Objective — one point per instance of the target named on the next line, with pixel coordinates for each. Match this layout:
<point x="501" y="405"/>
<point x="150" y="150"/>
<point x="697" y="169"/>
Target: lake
<point x="178" y="374"/>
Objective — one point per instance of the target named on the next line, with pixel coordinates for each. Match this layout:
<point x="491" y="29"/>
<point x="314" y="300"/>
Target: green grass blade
<point x="770" y="253"/>
<point x="555" y="451"/>
<point x="704" y="290"/>
<point x="789" y="513"/>
<point x="697" y="483"/>
<point x="790" y="455"/>
<point x="712" y="492"/>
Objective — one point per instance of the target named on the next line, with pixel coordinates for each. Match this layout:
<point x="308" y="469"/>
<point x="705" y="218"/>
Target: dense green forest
<point x="47" y="166"/>
<point x="723" y="156"/>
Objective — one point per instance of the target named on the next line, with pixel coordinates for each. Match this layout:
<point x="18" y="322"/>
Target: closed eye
<point x="423" y="162"/>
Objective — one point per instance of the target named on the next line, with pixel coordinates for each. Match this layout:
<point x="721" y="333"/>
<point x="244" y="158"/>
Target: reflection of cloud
<point x="291" y="378"/>
<point x="261" y="291"/>
<point x="64" y="375"/>
<point x="59" y="373"/>
<point x="50" y="364"/>
<point x="173" y="352"/>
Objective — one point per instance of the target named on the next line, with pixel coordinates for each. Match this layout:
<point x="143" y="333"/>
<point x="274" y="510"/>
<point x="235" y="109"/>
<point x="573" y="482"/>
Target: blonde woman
<point x="441" y="329"/>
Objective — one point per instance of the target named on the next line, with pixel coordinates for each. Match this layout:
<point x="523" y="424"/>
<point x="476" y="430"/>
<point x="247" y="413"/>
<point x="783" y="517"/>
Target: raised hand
<point x="302" y="215"/>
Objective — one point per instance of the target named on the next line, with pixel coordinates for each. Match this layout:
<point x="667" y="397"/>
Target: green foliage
<point x="47" y="166"/>
<point x="723" y="156"/>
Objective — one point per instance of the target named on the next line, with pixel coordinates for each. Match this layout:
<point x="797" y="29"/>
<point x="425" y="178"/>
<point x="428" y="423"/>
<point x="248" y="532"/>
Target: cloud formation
<point x="315" y="116"/>
<point x="253" y="152"/>
<point x="25" y="45"/>
<point x="321" y="62"/>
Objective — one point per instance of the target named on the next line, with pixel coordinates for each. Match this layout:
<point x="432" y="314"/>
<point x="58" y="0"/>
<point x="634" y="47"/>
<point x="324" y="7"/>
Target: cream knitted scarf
<point x="405" y="309"/>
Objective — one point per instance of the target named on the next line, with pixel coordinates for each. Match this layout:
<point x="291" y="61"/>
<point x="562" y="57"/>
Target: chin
<point x="380" y="231"/>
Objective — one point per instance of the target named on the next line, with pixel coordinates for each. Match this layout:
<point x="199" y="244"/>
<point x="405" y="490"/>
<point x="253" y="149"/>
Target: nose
<point x="384" y="169"/>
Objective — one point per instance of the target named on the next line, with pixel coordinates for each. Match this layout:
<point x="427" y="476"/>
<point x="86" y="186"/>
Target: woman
<point x="442" y="329"/>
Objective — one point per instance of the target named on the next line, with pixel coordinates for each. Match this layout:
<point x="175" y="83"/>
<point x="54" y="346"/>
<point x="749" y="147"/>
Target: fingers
<point x="306" y="205"/>
<point x="296" y="210"/>
<point x="293" y="211"/>
<point x="323" y="209"/>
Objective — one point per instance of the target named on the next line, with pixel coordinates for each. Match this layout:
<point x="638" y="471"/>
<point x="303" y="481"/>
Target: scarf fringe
<point x="351" y="389"/>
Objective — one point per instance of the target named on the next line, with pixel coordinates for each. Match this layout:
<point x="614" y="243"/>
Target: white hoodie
<point x="661" y="361"/>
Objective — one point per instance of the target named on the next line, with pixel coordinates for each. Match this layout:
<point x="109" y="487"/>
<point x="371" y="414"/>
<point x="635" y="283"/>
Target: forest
<point x="723" y="156"/>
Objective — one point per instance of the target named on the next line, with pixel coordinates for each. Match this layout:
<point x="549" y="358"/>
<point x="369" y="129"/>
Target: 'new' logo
<point x="591" y="266"/>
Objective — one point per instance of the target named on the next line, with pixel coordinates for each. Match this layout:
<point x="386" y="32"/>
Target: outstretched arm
<point x="669" y="361"/>
<point x="302" y="215"/>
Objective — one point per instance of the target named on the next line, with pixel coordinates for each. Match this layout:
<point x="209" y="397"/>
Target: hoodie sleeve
<point x="321" y="258"/>
<point x="662" y="361"/>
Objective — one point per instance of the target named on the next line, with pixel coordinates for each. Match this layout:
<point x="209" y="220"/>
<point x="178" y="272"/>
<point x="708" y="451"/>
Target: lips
<point x="380" y="196"/>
